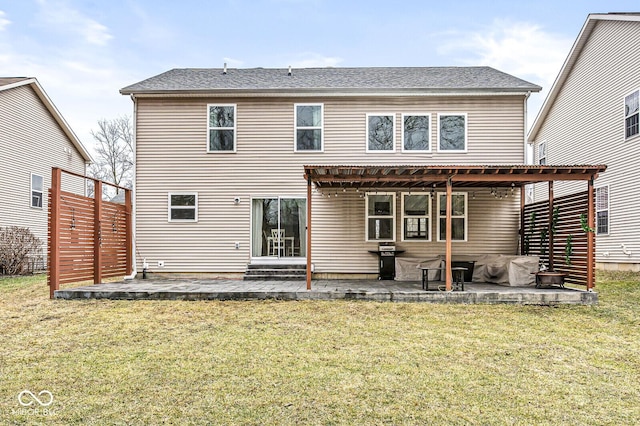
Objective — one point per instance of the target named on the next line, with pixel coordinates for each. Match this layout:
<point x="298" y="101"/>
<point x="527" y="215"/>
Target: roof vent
<point x="224" y="71"/>
<point x="290" y="71"/>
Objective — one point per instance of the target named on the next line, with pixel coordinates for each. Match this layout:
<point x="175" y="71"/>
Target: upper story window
<point x="602" y="210"/>
<point x="452" y="132"/>
<point x="631" y="103"/>
<point x="309" y="120"/>
<point x="416" y="214"/>
<point x="37" y="188"/>
<point x="221" y="128"/>
<point x="542" y="153"/>
<point x="183" y="207"/>
<point x="416" y="132"/>
<point x="381" y="134"/>
<point x="458" y="216"/>
<point x="381" y="214"/>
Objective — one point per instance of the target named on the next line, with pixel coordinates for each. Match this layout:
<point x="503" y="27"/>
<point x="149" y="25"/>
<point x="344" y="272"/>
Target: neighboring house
<point x="591" y="116"/>
<point x="34" y="137"/>
<point x="225" y="173"/>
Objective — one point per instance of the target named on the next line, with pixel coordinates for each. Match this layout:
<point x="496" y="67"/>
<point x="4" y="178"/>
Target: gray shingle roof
<point x="431" y="79"/>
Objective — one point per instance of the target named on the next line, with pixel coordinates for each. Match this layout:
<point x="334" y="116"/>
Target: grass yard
<point x="337" y="362"/>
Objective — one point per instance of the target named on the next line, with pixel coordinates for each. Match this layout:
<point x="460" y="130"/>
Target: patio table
<point x="457" y="275"/>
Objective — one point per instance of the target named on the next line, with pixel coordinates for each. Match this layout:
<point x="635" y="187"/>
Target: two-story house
<point x="238" y="167"/>
<point x="34" y="137"/>
<point x="591" y="115"/>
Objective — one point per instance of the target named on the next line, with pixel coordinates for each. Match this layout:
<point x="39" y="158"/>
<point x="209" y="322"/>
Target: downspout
<point x="134" y="271"/>
<point x="526" y="123"/>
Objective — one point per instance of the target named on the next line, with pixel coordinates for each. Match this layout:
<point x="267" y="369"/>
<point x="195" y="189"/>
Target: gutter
<point x="134" y="272"/>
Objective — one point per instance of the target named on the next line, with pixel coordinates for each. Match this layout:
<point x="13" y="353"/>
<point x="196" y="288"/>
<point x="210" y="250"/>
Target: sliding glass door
<point x="279" y="227"/>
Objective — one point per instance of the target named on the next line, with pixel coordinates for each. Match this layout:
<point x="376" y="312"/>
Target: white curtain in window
<point x="302" y="226"/>
<point x="258" y="214"/>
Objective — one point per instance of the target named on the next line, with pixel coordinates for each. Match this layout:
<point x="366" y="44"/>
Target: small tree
<point x="114" y="153"/>
<point x="17" y="246"/>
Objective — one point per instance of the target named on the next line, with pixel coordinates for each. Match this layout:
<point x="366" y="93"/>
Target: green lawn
<point x="337" y="362"/>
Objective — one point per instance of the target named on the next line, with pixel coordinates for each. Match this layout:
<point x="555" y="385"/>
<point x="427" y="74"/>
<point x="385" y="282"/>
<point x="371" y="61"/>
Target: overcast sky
<point x="83" y="52"/>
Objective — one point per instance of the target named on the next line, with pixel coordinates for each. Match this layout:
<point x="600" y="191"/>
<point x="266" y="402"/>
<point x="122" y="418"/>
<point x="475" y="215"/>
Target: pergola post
<point x="590" y="236"/>
<point x="550" y="226"/>
<point x="522" y="204"/>
<point x="308" y="233"/>
<point x="448" y="236"/>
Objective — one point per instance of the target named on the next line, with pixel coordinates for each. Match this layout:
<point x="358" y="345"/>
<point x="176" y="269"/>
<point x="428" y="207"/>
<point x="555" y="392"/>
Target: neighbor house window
<point x="458" y="216"/>
<point x="452" y="132"/>
<point x="222" y="128"/>
<point x="416" y="214"/>
<point x="309" y="119"/>
<point x="631" y="103"/>
<point x="542" y="153"/>
<point x="381" y="135"/>
<point x="380" y="224"/>
<point x="37" y="185"/>
<point x="602" y="210"/>
<point x="416" y="131"/>
<point x="183" y="207"/>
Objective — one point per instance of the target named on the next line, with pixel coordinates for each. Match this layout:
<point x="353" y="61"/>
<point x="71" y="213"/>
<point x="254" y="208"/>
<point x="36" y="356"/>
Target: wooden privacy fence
<point x="89" y="238"/>
<point x="559" y="235"/>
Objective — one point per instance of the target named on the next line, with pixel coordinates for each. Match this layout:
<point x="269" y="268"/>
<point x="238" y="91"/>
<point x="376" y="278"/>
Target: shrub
<point x="17" y="247"/>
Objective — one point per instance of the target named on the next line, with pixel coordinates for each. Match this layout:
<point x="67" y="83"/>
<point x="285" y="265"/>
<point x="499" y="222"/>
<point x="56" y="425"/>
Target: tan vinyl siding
<point x="32" y="142"/>
<point x="585" y="125"/>
<point x="171" y="157"/>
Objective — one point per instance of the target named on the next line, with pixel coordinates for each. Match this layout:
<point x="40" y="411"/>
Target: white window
<point x="416" y="217"/>
<point x="416" y="132"/>
<point x="309" y="119"/>
<point x="381" y="134"/>
<point x="452" y="132"/>
<point x="631" y="103"/>
<point x="542" y="153"/>
<point x="381" y="214"/>
<point x="221" y="125"/>
<point x="37" y="188"/>
<point x="458" y="216"/>
<point x="602" y="210"/>
<point x="183" y="207"/>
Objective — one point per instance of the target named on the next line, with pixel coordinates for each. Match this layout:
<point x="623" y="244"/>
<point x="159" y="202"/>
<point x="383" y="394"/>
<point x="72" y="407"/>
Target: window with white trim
<point x="221" y="127"/>
<point x="602" y="210"/>
<point x="416" y="132"/>
<point x="183" y="207"/>
<point x="458" y="216"/>
<point x="631" y="111"/>
<point x="381" y="133"/>
<point x="416" y="217"/>
<point x="309" y="120"/>
<point x="452" y="132"/>
<point x="380" y="215"/>
<point x="37" y="189"/>
<point x="542" y="153"/>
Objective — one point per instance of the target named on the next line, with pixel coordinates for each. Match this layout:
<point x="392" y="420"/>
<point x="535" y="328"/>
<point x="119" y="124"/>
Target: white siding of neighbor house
<point x="586" y="125"/>
<point x="171" y="153"/>
<point x="31" y="141"/>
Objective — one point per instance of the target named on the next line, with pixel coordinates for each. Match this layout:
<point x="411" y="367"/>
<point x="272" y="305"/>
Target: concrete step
<point x="275" y="266"/>
<point x="282" y="277"/>
<point x="275" y="272"/>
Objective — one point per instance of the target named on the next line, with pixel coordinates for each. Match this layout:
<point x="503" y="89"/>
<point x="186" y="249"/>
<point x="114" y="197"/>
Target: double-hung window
<point x="381" y="133"/>
<point x="309" y="119"/>
<point x="452" y="132"/>
<point x="380" y="224"/>
<point x="602" y="210"/>
<point x="183" y="207"/>
<point x="631" y="103"/>
<point x="416" y="132"/>
<point x="416" y="217"/>
<point x="542" y="153"/>
<point x="221" y="128"/>
<point x="37" y="188"/>
<point x="458" y="216"/>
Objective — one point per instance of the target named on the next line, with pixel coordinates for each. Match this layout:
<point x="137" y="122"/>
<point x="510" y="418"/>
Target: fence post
<point x="54" y="229"/>
<point x="129" y="231"/>
<point x="590" y="236"/>
<point x="97" y="236"/>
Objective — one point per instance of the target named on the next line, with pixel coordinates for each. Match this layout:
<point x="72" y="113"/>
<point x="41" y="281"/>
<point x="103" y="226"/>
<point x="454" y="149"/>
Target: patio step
<point x="275" y="272"/>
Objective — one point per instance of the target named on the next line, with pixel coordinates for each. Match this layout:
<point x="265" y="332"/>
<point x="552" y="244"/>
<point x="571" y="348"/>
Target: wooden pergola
<point x="440" y="176"/>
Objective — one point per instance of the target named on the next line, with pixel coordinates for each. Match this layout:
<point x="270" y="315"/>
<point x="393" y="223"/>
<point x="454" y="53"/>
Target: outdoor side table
<point x="457" y="276"/>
